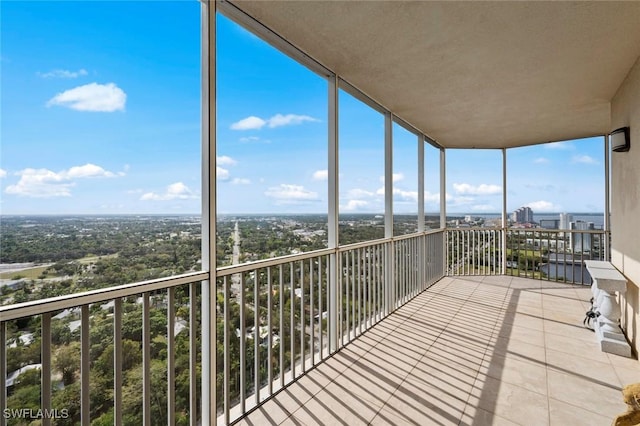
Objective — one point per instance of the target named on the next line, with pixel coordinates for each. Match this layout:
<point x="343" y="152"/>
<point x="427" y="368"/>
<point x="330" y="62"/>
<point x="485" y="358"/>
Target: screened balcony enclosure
<point x="421" y="322"/>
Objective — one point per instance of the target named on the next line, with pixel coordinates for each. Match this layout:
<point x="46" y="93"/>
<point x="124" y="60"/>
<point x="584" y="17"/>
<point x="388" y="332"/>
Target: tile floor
<point x="492" y="350"/>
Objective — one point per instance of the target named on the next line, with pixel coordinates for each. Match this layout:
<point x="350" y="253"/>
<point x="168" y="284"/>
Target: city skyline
<point x="102" y="116"/>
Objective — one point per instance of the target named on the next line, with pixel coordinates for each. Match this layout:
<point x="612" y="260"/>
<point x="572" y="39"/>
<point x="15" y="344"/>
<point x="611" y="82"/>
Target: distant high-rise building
<point x="565" y="220"/>
<point x="522" y="215"/>
<point x="578" y="241"/>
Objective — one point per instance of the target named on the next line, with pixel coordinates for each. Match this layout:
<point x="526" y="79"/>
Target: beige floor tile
<point x="474" y="416"/>
<point x="588" y="394"/>
<point x="570" y="345"/>
<point x="581" y="367"/>
<point x="270" y="413"/>
<point x="620" y="361"/>
<point x="563" y="414"/>
<point x="523" y="334"/>
<point x="574" y="328"/>
<point x="509" y="401"/>
<point x="336" y="406"/>
<point x="627" y="376"/>
<point x="533" y="351"/>
<point x="422" y="405"/>
<point x="528" y="374"/>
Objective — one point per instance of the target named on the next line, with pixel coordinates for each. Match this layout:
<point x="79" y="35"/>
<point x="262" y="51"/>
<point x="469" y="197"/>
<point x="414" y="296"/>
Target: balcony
<point x="421" y="329"/>
<point x="468" y="350"/>
<point x="441" y="326"/>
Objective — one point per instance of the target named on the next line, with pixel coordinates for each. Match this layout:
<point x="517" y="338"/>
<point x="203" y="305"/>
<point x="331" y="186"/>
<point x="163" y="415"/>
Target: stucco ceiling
<point x="472" y="74"/>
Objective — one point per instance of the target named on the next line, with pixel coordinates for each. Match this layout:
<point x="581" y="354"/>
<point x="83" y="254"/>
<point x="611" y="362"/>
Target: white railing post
<point x="503" y="231"/>
<point x="388" y="211"/>
<point x="333" y="195"/>
<point x="208" y="293"/>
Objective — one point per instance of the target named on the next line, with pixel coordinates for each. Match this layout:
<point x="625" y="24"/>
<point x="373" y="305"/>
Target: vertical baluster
<point x="320" y="329"/>
<point x="352" y="324"/>
<point x="270" y="335"/>
<point x="243" y="347"/>
<point x="46" y="366"/>
<point x="293" y="322"/>
<point x="226" y="344"/>
<point x="193" y="353"/>
<point x="312" y="318"/>
<point x="3" y="371"/>
<point x="256" y="335"/>
<point x="359" y="259"/>
<point x="281" y="319"/>
<point x="146" y="360"/>
<point x="302" y="321"/>
<point x="171" y="367"/>
<point x="117" y="362"/>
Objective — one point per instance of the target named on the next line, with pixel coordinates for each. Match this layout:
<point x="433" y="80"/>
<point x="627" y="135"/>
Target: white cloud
<point x="240" y="181"/>
<point x="396" y="177"/>
<point x="92" y="97"/>
<point x="63" y="73"/>
<point x="400" y="194"/>
<point x="583" y="159"/>
<point x="287" y="193"/>
<point x="87" y="171"/>
<point x="256" y="123"/>
<point x="320" y="175"/>
<point x="252" y="139"/>
<point x="543" y="206"/>
<point x="541" y="160"/>
<point x="564" y="146"/>
<point x="280" y="120"/>
<point x="483" y="208"/>
<point x="353" y="205"/>
<point x="226" y="161"/>
<point x="3" y="173"/>
<point x="175" y="191"/>
<point x="44" y="183"/>
<point x="482" y="189"/>
<point x="249" y="123"/>
<point x="222" y="174"/>
<point x="359" y="193"/>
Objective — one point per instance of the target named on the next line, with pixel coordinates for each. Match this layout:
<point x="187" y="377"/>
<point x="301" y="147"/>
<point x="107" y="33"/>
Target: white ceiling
<point x="472" y="74"/>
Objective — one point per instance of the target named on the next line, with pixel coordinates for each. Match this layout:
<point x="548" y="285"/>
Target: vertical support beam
<point x="388" y="211"/>
<point x="443" y="189"/>
<point x="388" y="175"/>
<point x="208" y="294"/>
<point x="334" y="198"/>
<point x="443" y="206"/>
<point x="421" y="143"/>
<point x="503" y="233"/>
<point x="607" y="201"/>
<point x="193" y="354"/>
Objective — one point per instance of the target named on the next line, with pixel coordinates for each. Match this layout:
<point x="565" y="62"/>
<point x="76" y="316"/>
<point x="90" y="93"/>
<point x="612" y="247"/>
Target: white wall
<point x="625" y="201"/>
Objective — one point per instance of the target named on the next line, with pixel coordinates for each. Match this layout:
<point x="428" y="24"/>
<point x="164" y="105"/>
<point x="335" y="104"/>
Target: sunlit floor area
<point x="468" y="351"/>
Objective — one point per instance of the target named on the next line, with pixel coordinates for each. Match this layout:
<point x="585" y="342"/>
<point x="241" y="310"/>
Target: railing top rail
<point x="558" y="231"/>
<point x="274" y="261"/>
<point x="35" y="307"/>
<point x="476" y="228"/>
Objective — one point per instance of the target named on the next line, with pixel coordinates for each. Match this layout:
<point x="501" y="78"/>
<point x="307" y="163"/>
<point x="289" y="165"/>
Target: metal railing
<point x="138" y="317"/>
<point x="553" y="255"/>
<point x="474" y="251"/>
<point x="276" y="313"/>
<point x="275" y="321"/>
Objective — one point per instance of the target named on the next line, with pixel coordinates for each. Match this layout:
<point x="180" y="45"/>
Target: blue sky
<point x="101" y="114"/>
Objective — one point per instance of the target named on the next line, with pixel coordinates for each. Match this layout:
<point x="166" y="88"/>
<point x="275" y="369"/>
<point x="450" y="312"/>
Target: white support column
<point x="421" y="143"/>
<point x="208" y="314"/>
<point x="388" y="211"/>
<point x="503" y="232"/>
<point x="443" y="189"/>
<point x="443" y="207"/>
<point x="607" y="201"/>
<point x="333" y="213"/>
